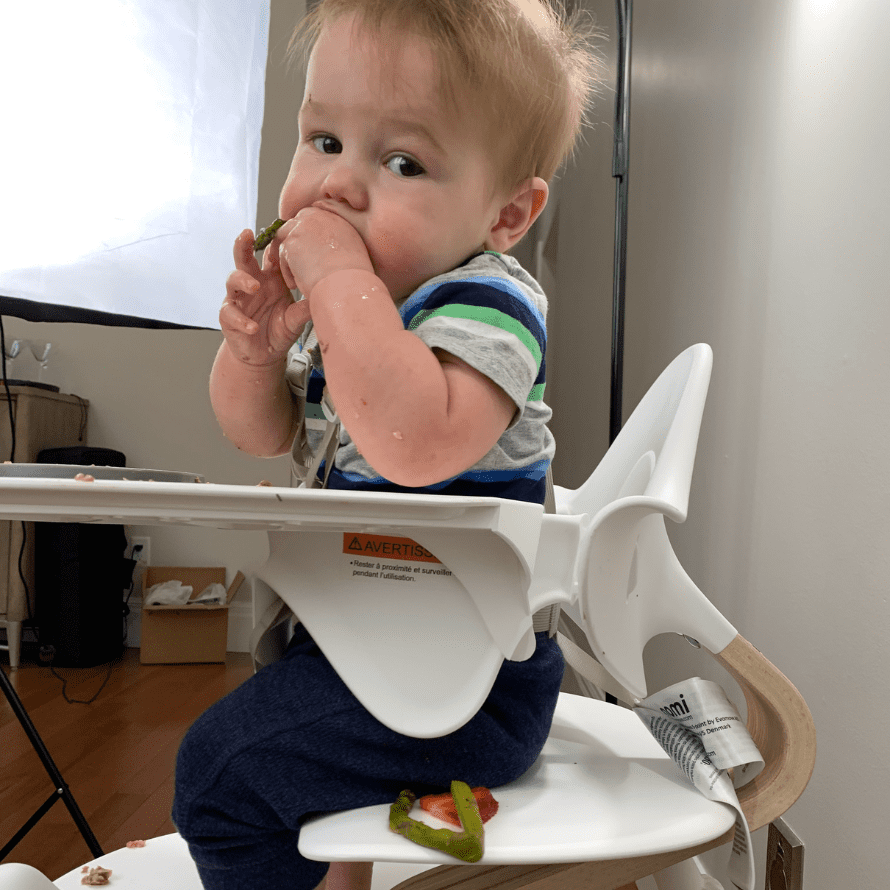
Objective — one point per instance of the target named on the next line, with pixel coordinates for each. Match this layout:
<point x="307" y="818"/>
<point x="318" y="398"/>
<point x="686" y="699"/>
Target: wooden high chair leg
<point x="611" y="874"/>
<point x="782" y="728"/>
<point x="348" y="876"/>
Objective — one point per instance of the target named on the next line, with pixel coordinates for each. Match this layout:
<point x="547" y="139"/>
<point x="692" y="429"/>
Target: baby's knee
<point x="200" y="764"/>
<point x="197" y="749"/>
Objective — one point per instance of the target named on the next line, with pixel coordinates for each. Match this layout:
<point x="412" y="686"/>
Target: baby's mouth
<point x="331" y="207"/>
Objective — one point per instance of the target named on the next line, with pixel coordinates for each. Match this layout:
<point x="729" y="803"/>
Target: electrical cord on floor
<point x="12" y="436"/>
<point x="81" y="701"/>
<point x="47" y="653"/>
<point x="8" y="392"/>
<point x="127" y="610"/>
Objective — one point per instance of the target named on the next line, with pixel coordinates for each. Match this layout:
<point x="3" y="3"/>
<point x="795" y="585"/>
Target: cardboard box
<point x="194" y="633"/>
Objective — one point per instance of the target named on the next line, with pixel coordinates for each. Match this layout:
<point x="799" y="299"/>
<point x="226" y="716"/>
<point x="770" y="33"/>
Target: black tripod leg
<point x="49" y="765"/>
<point x="38" y="815"/>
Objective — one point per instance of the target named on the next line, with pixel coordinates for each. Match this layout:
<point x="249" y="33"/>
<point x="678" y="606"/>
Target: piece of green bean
<point x="466" y="845"/>
<point x="267" y="235"/>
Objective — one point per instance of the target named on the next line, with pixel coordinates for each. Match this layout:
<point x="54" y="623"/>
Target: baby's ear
<point x="517" y="216"/>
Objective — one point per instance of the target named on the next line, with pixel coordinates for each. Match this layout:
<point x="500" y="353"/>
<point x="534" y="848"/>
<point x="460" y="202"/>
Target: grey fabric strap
<point x="271" y="634"/>
<point x="305" y="462"/>
<point x="589" y="668"/>
<point x="327" y="448"/>
<point x="547" y="619"/>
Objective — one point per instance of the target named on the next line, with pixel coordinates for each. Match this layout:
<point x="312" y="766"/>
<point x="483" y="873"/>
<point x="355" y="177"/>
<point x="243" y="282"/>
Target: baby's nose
<point x="346" y="184"/>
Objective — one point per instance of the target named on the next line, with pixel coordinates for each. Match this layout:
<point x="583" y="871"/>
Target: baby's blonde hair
<point x="532" y="70"/>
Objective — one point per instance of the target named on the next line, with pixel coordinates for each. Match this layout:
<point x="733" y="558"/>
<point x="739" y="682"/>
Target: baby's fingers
<point x="242" y="282"/>
<point x="234" y="315"/>
<point x="232" y="318"/>
<point x="296" y="315"/>
<point x="270" y="257"/>
<point x="243" y="253"/>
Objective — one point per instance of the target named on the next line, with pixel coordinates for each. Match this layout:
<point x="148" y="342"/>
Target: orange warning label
<point x="381" y="545"/>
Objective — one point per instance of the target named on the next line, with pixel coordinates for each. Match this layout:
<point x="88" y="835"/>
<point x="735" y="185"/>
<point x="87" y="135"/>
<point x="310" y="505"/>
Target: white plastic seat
<point x="604" y="805"/>
<point x="601" y="789"/>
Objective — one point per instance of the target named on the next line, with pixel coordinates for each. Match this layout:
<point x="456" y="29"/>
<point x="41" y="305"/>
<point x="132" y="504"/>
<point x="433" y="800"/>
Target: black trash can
<point x="80" y="574"/>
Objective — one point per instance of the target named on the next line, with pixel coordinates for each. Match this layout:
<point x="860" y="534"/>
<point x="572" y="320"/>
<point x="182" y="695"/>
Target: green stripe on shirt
<point x="486" y="315"/>
<point x="537" y="393"/>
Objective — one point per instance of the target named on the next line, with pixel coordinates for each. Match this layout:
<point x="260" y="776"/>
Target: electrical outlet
<point x="784" y="858"/>
<point x="143" y="556"/>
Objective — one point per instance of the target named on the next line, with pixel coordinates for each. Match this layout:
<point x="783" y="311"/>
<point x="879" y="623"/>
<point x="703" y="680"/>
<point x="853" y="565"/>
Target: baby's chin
<point x="401" y="283"/>
<point x="400" y="294"/>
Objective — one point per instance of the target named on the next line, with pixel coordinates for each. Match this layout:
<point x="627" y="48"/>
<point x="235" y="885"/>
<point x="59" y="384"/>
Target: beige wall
<point x="758" y="220"/>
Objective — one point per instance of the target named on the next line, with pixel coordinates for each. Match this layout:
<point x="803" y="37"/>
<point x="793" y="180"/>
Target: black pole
<point x="620" y="165"/>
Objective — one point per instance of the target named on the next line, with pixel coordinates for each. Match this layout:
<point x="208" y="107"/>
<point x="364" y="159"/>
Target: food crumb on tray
<point x="96" y="877"/>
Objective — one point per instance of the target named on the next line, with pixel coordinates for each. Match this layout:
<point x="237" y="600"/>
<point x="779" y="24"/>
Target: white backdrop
<point x="130" y="153"/>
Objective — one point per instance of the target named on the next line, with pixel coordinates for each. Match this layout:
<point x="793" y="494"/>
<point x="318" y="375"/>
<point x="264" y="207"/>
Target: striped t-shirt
<point x="490" y="313"/>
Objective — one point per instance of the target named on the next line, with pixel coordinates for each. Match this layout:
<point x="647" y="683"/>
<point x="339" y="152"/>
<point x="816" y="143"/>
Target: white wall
<point x="760" y="203"/>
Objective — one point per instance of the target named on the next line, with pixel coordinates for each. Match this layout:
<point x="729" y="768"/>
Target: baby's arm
<point x="418" y="416"/>
<point x="260" y="322"/>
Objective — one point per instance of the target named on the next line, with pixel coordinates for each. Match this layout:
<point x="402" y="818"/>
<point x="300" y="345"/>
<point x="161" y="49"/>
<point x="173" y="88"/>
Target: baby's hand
<point x="314" y="244"/>
<point x="259" y="317"/>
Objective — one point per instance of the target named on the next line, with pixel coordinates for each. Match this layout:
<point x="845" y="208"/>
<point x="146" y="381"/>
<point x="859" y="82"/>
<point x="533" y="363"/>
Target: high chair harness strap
<point x="305" y="462"/>
<point x="547" y="619"/>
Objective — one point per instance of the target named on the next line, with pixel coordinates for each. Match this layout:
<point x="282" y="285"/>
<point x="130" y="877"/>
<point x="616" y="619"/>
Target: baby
<point x="428" y="132"/>
<point x="416" y="156"/>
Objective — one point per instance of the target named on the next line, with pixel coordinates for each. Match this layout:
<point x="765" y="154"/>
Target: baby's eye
<point x="327" y="145"/>
<point x="402" y="165"/>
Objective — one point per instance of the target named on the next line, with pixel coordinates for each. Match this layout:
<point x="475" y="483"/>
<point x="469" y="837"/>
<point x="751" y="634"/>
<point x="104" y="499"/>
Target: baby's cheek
<point x="385" y="247"/>
<point x="401" y="260"/>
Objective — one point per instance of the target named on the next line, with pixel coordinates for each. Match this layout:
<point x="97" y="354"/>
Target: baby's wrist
<point x="344" y="283"/>
<point x="272" y="364"/>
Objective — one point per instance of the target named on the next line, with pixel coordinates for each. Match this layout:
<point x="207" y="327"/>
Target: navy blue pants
<point x="293" y="741"/>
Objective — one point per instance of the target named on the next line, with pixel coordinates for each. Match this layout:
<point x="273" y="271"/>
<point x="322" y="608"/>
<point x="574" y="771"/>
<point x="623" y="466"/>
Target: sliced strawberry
<point x="442" y="805"/>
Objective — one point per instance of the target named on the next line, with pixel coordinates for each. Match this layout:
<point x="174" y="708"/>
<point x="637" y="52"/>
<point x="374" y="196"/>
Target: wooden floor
<point x="117" y="754"/>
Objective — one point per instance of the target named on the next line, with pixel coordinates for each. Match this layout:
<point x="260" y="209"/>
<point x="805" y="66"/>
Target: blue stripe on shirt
<point x="481" y="290"/>
<point x="513" y="487"/>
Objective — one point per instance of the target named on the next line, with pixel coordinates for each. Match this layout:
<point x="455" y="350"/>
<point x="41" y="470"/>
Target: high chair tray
<point x="450" y="577"/>
<point x="119" y="474"/>
<point x="147" y="502"/>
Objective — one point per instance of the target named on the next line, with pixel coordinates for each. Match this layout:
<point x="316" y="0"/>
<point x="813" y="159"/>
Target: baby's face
<point x="380" y="148"/>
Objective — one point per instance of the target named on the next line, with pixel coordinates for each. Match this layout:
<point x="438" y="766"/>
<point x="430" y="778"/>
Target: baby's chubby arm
<point x="260" y="322"/>
<point x="418" y="416"/>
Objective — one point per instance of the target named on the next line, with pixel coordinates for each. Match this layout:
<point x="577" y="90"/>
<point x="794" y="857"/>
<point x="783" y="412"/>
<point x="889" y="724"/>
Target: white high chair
<point x="604" y="805"/>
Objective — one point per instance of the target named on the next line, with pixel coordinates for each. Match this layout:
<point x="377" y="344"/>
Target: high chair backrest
<point x="631" y="586"/>
<point x="654" y="453"/>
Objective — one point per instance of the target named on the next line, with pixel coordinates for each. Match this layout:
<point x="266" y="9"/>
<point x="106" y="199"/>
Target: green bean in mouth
<point x="267" y="235"/>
